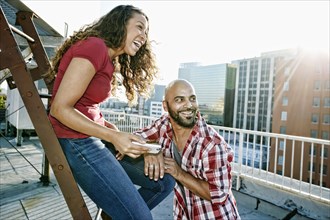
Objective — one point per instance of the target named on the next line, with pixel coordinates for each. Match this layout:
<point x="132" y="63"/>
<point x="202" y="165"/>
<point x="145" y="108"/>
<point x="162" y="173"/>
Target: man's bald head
<point x="177" y="84"/>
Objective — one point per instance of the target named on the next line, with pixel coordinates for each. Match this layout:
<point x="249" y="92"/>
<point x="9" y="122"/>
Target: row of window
<point x="313" y="133"/>
<point x="318" y="85"/>
<point x="324" y="171"/>
<point x="318" y="182"/>
<point x="155" y="113"/>
<point x="315" y="148"/>
<point x="317" y="102"/>
<point x="325" y="151"/>
<point x="314" y="119"/>
<point x="324" y="134"/>
<point x="317" y="68"/>
<point x="325" y="120"/>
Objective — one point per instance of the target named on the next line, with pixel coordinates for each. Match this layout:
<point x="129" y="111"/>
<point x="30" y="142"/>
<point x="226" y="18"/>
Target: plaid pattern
<point x="206" y="156"/>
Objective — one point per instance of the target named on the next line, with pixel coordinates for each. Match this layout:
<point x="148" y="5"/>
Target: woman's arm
<point x="74" y="83"/>
<point x="110" y="125"/>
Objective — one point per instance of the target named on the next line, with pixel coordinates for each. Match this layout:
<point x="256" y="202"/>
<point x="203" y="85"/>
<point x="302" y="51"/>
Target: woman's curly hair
<point x="138" y="72"/>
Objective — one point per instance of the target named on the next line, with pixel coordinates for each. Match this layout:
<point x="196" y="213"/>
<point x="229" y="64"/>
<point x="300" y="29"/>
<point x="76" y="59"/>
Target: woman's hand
<point x="123" y="144"/>
<point x="154" y="165"/>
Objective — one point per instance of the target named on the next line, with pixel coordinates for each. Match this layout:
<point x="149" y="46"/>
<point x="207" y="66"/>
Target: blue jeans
<point x="110" y="183"/>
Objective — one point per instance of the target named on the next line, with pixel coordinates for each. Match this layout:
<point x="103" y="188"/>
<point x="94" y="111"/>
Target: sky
<point x="207" y="32"/>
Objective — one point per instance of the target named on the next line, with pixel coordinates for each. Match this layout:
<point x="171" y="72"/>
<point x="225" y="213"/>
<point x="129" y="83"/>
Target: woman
<point x="84" y="66"/>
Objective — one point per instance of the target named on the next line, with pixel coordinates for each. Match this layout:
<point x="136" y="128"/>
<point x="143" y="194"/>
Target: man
<point x="195" y="155"/>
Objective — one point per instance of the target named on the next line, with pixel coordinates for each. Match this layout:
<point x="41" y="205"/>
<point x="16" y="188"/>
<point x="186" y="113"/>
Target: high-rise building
<point x="287" y="92"/>
<point x="302" y="108"/>
<point x="255" y="91"/>
<point x="215" y="89"/>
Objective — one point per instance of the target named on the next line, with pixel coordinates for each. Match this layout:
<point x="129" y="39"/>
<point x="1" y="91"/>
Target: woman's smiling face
<point x="137" y="30"/>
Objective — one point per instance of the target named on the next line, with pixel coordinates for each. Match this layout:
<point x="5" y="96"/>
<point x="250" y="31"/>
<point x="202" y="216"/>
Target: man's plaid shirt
<point x="206" y="156"/>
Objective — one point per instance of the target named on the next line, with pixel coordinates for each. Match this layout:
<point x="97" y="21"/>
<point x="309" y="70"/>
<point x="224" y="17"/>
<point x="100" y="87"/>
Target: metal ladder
<point x="23" y="79"/>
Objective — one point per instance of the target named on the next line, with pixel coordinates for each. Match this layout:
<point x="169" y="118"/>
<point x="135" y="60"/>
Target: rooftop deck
<point x="23" y="196"/>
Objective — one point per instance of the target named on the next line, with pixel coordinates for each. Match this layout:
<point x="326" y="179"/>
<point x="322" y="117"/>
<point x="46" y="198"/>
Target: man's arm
<point x="153" y="163"/>
<point x="195" y="185"/>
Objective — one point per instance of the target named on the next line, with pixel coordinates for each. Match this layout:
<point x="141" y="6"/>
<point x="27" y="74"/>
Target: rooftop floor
<point x="23" y="196"/>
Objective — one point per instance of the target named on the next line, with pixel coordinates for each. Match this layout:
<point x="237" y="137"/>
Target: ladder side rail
<point x="25" y="20"/>
<point x="11" y="58"/>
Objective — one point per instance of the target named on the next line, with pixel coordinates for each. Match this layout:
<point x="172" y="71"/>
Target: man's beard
<point x="183" y="121"/>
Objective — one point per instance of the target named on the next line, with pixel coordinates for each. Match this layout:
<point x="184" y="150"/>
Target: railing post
<point x="240" y="160"/>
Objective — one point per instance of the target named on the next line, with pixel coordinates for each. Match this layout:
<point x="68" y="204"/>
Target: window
<point x="325" y="135"/>
<point x="314" y="133"/>
<point x="326" y="102"/>
<point x="313" y="181"/>
<point x="324" y="169"/>
<point x="282" y="143"/>
<point x="287" y="71"/>
<point x="317" y="85"/>
<point x="285" y="101"/>
<point x="286" y="86"/>
<point x="325" y="153"/>
<point x="314" y="150"/>
<point x="280" y="160"/>
<point x="326" y="119"/>
<point x="282" y="130"/>
<point x="284" y="116"/>
<point x="327" y="85"/>
<point x="309" y="167"/>
<point x="316" y="102"/>
<point x="315" y="118"/>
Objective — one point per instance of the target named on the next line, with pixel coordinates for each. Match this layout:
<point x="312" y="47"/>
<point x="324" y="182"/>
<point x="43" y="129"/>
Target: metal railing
<point x="261" y="156"/>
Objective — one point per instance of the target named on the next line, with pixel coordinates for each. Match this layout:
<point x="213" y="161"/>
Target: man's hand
<point x="154" y="165"/>
<point x="172" y="167"/>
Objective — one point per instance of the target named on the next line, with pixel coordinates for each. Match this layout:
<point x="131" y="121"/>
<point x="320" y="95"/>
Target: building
<point x="215" y="89"/>
<point x="153" y="106"/>
<point x="287" y="92"/>
<point x="156" y="109"/>
<point x="255" y="91"/>
<point x="302" y="108"/>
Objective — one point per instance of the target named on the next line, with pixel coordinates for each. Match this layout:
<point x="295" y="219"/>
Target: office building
<point x="255" y="90"/>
